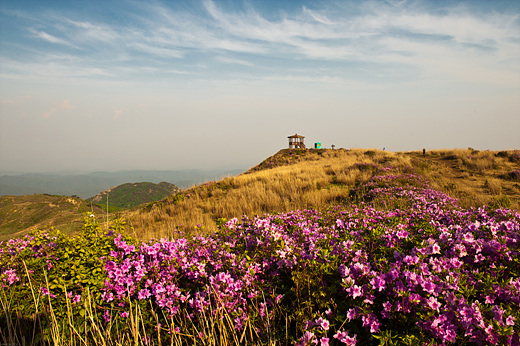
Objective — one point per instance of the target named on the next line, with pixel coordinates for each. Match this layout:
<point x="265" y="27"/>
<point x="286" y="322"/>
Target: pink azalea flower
<point x="433" y="303"/>
<point x="323" y="323"/>
<point x="307" y="339"/>
<point x="468" y="238"/>
<point x="345" y="338"/>
<point x="106" y="316"/>
<point x="356" y="291"/>
<point x="143" y="294"/>
<point x="11" y="276"/>
<point x="436" y="249"/>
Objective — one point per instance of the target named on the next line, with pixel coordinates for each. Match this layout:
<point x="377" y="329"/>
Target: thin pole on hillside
<point x="107" y="211"/>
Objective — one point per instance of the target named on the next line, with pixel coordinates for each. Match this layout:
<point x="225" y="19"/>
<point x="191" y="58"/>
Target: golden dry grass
<point x="318" y="180"/>
<point x="301" y="179"/>
<point x="474" y="177"/>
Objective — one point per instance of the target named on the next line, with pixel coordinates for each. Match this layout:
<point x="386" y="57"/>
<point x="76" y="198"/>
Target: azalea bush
<point x="53" y="275"/>
<point x="405" y="265"/>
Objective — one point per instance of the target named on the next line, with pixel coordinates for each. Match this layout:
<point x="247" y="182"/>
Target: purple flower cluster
<point x="449" y="273"/>
<point x="200" y="277"/>
<point x="454" y="268"/>
<point x="40" y="245"/>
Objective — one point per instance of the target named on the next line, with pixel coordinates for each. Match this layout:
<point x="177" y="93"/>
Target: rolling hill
<point x="292" y="179"/>
<point x="130" y="195"/>
<point x="22" y="214"/>
<point x="295" y="179"/>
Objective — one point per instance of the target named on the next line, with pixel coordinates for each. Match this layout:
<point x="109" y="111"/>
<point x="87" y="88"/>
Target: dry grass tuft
<point x="474" y="177"/>
<point x="493" y="185"/>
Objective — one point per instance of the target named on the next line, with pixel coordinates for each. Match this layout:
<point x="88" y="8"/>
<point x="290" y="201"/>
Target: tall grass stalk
<point x="214" y="327"/>
<point x="9" y="324"/>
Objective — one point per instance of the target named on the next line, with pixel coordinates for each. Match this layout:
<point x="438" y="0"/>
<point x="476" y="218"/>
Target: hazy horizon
<point x="129" y="85"/>
<point x="87" y="185"/>
<point x="79" y="172"/>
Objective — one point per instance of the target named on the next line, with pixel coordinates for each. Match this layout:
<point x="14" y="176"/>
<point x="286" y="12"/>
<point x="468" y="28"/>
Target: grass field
<point x="300" y="179"/>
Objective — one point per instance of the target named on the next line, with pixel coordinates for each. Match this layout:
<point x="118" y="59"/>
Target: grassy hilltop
<point x="130" y="195"/>
<point x="20" y="215"/>
<point x="319" y="178"/>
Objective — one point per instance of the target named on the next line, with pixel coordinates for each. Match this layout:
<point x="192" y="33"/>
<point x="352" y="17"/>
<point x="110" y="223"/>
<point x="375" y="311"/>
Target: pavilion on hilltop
<point x="296" y="141"/>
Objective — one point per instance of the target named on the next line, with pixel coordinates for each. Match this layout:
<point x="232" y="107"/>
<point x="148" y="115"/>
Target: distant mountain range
<point x="88" y="185"/>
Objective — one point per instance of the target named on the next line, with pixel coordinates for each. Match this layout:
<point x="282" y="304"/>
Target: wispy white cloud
<point x="151" y="49"/>
<point x="92" y="32"/>
<point x="318" y="17"/>
<point x="461" y="27"/>
<point x="381" y="35"/>
<point x="52" y="69"/>
<point x="234" y="61"/>
<point x="117" y="114"/>
<point x="48" y="37"/>
<point x="365" y="37"/>
<point x="252" y="27"/>
<point x="64" y="105"/>
<point x="396" y="2"/>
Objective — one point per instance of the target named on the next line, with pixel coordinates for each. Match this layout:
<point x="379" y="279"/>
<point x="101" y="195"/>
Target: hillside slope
<point x="319" y="178"/>
<point x="22" y="214"/>
<point x="289" y="180"/>
<point x="474" y="177"/>
<point x="130" y="195"/>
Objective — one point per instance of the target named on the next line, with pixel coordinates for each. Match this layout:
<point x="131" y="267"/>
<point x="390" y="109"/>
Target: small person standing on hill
<point x="424" y="151"/>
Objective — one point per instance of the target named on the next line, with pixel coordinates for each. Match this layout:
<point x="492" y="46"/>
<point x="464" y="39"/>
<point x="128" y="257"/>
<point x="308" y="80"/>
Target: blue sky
<point x="115" y="85"/>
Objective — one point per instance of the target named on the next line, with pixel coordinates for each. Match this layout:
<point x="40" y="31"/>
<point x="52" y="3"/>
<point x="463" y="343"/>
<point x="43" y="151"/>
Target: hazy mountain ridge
<point x="88" y="185"/>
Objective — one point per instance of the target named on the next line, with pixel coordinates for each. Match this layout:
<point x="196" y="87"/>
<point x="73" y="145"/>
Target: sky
<point x="166" y="85"/>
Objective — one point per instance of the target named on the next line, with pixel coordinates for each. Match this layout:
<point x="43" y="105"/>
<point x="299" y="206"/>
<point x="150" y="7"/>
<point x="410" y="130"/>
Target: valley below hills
<point x="20" y="215"/>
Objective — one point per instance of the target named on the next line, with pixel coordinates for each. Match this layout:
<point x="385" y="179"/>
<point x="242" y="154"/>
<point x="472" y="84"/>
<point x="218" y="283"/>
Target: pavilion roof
<point x="296" y="136"/>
